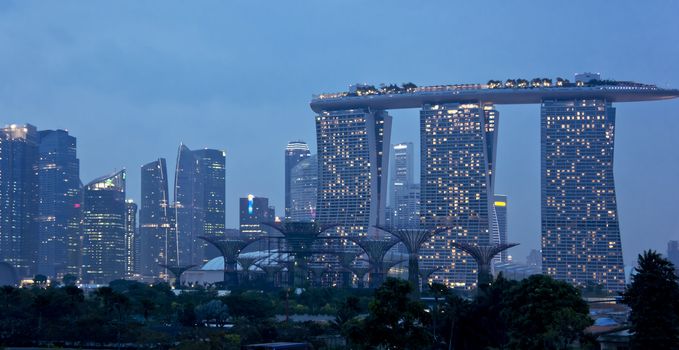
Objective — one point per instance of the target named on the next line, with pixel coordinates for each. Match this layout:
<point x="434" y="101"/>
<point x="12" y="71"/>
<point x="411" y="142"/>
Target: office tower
<point x="457" y="164"/>
<point x="59" y="208"/>
<point x="534" y="258"/>
<point x="353" y="154"/>
<point x="295" y="152"/>
<point x="200" y="191"/>
<point x="19" y="197"/>
<point x="131" y="239"/>
<point x="253" y="211"/>
<point x="159" y="241"/>
<point x="104" y="252"/>
<point x="580" y="231"/>
<point x="500" y="223"/>
<point x="404" y="194"/>
<point x="303" y="190"/>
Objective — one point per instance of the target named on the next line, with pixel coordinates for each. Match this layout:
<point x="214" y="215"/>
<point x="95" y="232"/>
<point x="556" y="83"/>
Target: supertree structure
<point x="375" y="249"/>
<point x="425" y="273"/>
<point x="299" y="238"/>
<point x="177" y="271"/>
<point x="483" y="255"/>
<point x="346" y="260"/>
<point x="230" y="249"/>
<point x="412" y="240"/>
<point x="246" y="262"/>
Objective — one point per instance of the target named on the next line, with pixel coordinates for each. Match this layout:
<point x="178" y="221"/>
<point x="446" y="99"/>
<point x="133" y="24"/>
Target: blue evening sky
<point x="133" y="79"/>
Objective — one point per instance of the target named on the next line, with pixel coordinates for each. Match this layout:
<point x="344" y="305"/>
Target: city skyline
<point x="217" y="125"/>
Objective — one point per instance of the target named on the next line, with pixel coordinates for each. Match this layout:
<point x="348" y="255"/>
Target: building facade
<point x="458" y="143"/>
<point x="500" y="206"/>
<point x="404" y="193"/>
<point x="60" y="204"/>
<point x="295" y="152"/>
<point x="580" y="229"/>
<point x="132" y="241"/>
<point x="19" y="197"/>
<point x="303" y="190"/>
<point x="104" y="246"/>
<point x="353" y="158"/>
<point x="158" y="236"/>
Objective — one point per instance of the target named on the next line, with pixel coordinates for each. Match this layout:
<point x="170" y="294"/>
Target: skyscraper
<point x="500" y="223"/>
<point x="104" y="244"/>
<point x="200" y="191"/>
<point x="132" y="242"/>
<point x="158" y="237"/>
<point x="303" y="190"/>
<point x="580" y="230"/>
<point x="253" y="211"/>
<point x="19" y="197"/>
<point x="295" y="152"/>
<point x="60" y="201"/>
<point x="457" y="164"/>
<point x="353" y="154"/>
<point x="404" y="193"/>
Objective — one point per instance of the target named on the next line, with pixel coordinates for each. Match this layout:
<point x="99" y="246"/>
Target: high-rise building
<point x="673" y="253"/>
<point x="580" y="230"/>
<point x="458" y="144"/>
<point x="303" y="190"/>
<point x="500" y="223"/>
<point x="19" y="197"/>
<point x="295" y="152"/>
<point x="253" y="211"/>
<point x="404" y="193"/>
<point x="200" y="191"/>
<point x="131" y="240"/>
<point x="104" y="244"/>
<point x="158" y="236"/>
<point x="60" y="201"/>
<point x="353" y="158"/>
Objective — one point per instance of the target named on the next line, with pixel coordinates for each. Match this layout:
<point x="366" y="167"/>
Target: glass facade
<point x="458" y="143"/>
<point x="404" y="194"/>
<point x="500" y="224"/>
<point x="104" y="246"/>
<point x="19" y="197"/>
<point x="158" y="235"/>
<point x="131" y="240"/>
<point x="580" y="229"/>
<point x="295" y="152"/>
<point x="303" y="189"/>
<point x="60" y="203"/>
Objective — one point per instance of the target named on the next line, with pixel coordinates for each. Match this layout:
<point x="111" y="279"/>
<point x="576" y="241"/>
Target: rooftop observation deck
<point x="510" y="92"/>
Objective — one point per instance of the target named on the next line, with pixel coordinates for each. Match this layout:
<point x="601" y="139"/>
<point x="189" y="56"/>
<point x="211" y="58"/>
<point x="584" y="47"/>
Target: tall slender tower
<point x="580" y="229"/>
<point x="303" y="190"/>
<point x="104" y="252"/>
<point x="404" y="193"/>
<point x="457" y="165"/>
<point x="353" y="158"/>
<point x="200" y="203"/>
<point x="19" y="197"/>
<point x="295" y="152"/>
<point x="60" y="199"/>
<point x="131" y="240"/>
<point x="500" y="224"/>
<point x="159" y="241"/>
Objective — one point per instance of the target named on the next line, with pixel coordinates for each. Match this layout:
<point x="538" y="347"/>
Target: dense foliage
<point x="653" y="297"/>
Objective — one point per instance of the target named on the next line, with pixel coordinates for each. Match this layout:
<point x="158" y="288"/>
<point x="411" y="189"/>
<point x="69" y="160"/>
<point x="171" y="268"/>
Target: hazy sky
<point x="133" y="79"/>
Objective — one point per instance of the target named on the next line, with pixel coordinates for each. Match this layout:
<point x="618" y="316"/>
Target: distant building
<point x="404" y="193"/>
<point x="500" y="223"/>
<point x="673" y="253"/>
<point x="295" y="152"/>
<point x="19" y="197"/>
<point x="303" y="190"/>
<point x="580" y="228"/>
<point x="131" y="239"/>
<point x="253" y="212"/>
<point x="158" y="236"/>
<point x="200" y="204"/>
<point x="60" y="201"/>
<point x="534" y="258"/>
<point x="104" y="243"/>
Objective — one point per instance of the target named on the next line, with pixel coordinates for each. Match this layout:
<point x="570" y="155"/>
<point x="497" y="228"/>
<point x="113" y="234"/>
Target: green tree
<point x="395" y="320"/>
<point x="653" y="296"/>
<point x="543" y="313"/>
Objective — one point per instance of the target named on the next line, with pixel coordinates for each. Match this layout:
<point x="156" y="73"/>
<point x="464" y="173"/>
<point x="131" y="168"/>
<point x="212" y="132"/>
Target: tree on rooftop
<point x="653" y="296"/>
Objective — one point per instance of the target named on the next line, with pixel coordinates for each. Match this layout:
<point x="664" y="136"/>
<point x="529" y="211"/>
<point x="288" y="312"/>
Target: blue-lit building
<point x="580" y="229"/>
<point x="104" y="246"/>
<point x="303" y="190"/>
<point x="158" y="236"/>
<point x="59" y="216"/>
<point x="199" y="202"/>
<point x="404" y="193"/>
<point x="295" y="152"/>
<point x="19" y="197"/>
